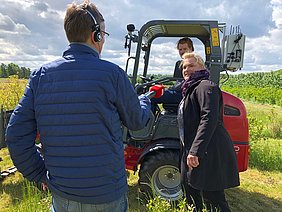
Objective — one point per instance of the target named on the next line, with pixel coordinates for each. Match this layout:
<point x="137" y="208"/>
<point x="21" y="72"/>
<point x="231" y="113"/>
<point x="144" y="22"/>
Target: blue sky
<point x="31" y="32"/>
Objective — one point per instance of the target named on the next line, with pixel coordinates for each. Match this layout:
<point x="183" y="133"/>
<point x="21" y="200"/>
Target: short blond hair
<point x="197" y="57"/>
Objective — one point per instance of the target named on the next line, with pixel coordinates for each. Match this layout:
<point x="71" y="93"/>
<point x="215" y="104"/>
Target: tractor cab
<point x="220" y="54"/>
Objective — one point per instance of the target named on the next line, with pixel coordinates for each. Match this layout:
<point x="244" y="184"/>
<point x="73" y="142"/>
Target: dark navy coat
<point x="206" y="137"/>
<point x="78" y="104"/>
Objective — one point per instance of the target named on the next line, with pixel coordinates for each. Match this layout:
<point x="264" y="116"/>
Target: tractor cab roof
<point x="220" y="54"/>
<point x="178" y="28"/>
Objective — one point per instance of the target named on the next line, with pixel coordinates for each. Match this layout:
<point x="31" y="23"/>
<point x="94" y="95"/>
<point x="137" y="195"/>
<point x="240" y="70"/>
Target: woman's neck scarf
<point x="194" y="77"/>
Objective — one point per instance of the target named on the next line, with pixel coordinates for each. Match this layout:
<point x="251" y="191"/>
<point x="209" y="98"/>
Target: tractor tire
<point x="159" y="175"/>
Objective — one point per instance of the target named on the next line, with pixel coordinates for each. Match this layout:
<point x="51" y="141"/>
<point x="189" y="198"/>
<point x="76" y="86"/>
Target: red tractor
<point x="156" y="147"/>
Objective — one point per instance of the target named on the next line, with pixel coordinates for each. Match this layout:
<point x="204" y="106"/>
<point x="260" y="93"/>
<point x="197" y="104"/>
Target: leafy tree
<point x="24" y="73"/>
<point x="13" y="69"/>
<point x="3" y="72"/>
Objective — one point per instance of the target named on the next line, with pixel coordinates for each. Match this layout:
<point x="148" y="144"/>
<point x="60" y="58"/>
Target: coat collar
<point x="80" y="48"/>
<point x="195" y="84"/>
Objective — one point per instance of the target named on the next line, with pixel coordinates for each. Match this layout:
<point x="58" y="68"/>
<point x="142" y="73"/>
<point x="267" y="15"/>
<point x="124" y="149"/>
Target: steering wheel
<point x="147" y="79"/>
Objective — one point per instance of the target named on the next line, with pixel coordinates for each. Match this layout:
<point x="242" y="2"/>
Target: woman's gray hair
<point x="197" y="57"/>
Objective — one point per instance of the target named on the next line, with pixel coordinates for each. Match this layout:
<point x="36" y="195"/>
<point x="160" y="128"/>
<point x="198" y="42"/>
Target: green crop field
<point x="261" y="184"/>
<point x="256" y="87"/>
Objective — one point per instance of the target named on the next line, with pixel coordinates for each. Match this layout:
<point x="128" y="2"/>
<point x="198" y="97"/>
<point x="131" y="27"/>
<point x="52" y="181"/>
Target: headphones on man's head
<point x="96" y="27"/>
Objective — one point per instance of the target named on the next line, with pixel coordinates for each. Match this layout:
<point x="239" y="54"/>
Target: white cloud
<point x="277" y="13"/>
<point x="264" y="53"/>
<point x="8" y="26"/>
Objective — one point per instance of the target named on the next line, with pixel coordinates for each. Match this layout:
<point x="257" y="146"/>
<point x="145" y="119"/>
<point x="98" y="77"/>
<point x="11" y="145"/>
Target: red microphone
<point x="156" y="91"/>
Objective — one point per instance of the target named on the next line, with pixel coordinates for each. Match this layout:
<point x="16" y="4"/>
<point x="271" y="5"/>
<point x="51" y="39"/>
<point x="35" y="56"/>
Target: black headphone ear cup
<point x="97" y="36"/>
<point x="97" y="33"/>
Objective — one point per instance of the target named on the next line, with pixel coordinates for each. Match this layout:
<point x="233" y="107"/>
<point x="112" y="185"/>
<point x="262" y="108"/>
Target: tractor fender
<point x="157" y="145"/>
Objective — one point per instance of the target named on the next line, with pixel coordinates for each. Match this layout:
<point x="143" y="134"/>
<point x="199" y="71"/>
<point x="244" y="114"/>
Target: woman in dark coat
<point x="208" y="159"/>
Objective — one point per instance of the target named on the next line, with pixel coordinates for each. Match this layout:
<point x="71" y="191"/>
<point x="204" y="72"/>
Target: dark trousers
<point x="211" y="200"/>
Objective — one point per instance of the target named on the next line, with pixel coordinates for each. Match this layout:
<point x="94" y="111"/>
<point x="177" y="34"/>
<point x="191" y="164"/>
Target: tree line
<point x="14" y="69"/>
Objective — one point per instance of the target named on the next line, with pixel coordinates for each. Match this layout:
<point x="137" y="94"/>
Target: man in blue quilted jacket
<point x="78" y="104"/>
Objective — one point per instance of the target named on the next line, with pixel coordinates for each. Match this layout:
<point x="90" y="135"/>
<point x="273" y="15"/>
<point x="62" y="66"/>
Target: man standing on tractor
<point x="183" y="45"/>
<point x="78" y="103"/>
<point x="173" y="94"/>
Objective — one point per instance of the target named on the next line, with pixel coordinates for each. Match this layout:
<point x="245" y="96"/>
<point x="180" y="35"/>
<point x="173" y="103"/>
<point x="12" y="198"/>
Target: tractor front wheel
<point x="159" y="175"/>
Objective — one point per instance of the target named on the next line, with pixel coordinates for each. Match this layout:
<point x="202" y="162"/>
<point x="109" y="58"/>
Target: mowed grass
<point x="259" y="191"/>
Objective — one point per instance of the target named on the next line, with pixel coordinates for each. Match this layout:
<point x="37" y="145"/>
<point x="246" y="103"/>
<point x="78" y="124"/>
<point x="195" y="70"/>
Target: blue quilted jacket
<point x="78" y="104"/>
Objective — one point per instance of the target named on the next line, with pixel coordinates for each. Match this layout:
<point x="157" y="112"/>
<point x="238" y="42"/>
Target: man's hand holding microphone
<point x="156" y="91"/>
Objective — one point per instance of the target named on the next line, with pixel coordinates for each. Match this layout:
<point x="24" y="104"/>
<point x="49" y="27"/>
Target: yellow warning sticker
<point x="215" y="39"/>
<point x="208" y="50"/>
